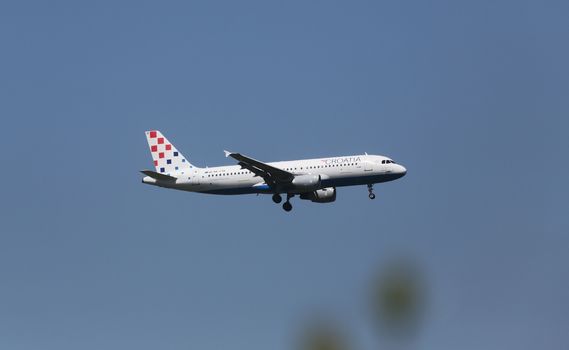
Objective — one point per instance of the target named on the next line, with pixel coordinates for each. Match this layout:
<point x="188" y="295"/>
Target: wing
<point x="272" y="175"/>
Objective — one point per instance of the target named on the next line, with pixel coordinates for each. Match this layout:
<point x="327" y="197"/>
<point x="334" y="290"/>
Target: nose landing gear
<point x="370" y="190"/>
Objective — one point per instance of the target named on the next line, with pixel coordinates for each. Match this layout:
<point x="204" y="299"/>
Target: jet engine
<point x="305" y="183"/>
<point x="324" y="195"/>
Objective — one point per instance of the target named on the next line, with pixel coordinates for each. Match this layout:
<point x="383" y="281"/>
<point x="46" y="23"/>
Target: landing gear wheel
<point x="277" y="198"/>
<point x="370" y="190"/>
<point x="287" y="206"/>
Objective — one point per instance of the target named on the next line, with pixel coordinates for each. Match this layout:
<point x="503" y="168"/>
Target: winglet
<point x="227" y="153"/>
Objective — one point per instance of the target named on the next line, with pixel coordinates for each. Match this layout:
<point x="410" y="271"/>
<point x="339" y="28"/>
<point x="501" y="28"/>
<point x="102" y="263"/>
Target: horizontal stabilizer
<point x="158" y="176"/>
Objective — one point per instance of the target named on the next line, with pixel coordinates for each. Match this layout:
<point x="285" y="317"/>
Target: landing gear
<point x="286" y="205"/>
<point x="370" y="190"/>
<point x="277" y="198"/>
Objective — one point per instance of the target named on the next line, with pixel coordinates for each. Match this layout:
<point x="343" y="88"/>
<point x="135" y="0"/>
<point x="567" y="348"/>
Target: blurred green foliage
<point x="323" y="336"/>
<point x="398" y="299"/>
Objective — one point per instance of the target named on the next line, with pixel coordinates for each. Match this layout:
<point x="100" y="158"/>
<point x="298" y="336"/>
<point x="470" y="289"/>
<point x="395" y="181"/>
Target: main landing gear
<point x="286" y="205"/>
<point x="277" y="198"/>
<point x="370" y="190"/>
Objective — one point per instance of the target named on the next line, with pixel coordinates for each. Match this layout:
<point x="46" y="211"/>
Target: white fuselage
<point x="333" y="172"/>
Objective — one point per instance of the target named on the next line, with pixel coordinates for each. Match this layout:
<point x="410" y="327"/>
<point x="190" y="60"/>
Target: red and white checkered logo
<point x="167" y="159"/>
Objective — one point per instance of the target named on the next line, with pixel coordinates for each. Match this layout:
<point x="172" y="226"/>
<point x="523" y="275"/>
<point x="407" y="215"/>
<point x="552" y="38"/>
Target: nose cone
<point x="401" y="171"/>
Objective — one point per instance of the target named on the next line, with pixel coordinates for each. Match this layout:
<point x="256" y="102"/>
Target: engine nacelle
<point x="324" y="195"/>
<point x="305" y="183"/>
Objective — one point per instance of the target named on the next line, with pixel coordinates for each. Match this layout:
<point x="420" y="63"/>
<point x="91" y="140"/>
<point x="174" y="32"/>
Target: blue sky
<point x="470" y="96"/>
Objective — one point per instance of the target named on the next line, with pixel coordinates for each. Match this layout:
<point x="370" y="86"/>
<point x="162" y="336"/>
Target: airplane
<point x="311" y="179"/>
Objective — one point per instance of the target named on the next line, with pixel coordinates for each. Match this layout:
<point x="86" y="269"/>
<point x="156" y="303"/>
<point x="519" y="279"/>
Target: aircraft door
<point x="195" y="177"/>
<point x="368" y="166"/>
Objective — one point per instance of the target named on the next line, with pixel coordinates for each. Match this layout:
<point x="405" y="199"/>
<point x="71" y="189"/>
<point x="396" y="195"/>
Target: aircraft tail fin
<point x="167" y="159"/>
